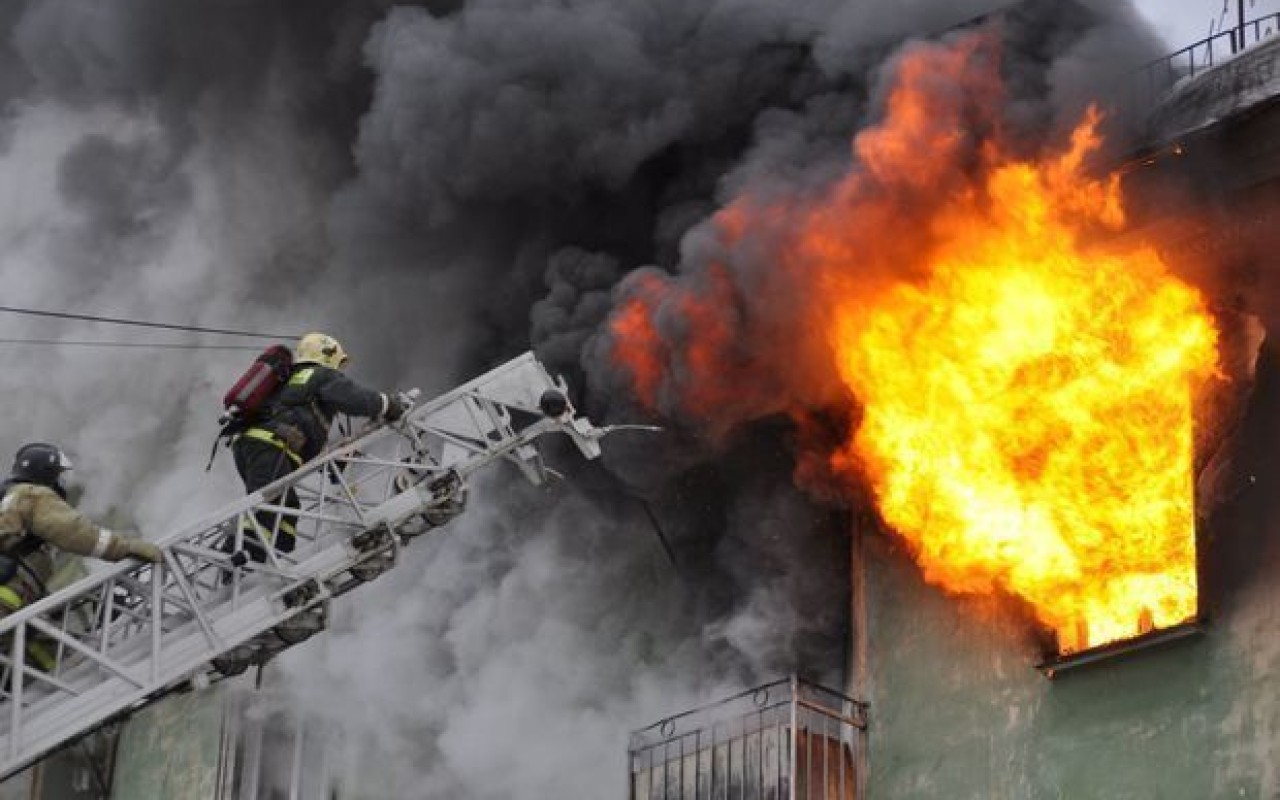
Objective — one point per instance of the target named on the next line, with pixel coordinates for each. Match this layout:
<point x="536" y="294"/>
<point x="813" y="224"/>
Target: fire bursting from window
<point x="1023" y="379"/>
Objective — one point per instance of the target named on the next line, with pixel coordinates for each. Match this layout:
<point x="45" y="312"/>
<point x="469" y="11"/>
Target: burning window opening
<point x="1220" y="414"/>
<point x="790" y="740"/>
<point x="1028" y="407"/>
<point x="1056" y="665"/>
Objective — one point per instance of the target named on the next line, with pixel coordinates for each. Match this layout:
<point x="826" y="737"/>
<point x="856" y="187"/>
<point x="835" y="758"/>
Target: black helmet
<point x="39" y="463"/>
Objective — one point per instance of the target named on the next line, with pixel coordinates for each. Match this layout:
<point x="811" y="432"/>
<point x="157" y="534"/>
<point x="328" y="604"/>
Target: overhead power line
<point x="139" y="323"/>
<point x="151" y="345"/>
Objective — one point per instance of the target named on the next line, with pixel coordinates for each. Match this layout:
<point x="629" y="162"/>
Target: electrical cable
<point x="152" y="345"/>
<point x="32" y="312"/>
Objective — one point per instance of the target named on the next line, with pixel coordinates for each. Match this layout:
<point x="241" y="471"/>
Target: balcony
<point x="786" y="740"/>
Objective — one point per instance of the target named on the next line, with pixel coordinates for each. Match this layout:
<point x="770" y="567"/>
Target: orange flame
<point x="641" y="355"/>
<point x="1027" y="417"/>
<point x="1025" y="386"/>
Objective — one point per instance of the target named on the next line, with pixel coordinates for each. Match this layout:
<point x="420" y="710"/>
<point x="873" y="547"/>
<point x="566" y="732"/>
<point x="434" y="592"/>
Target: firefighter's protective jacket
<point x="30" y="509"/>
<point x="308" y="403"/>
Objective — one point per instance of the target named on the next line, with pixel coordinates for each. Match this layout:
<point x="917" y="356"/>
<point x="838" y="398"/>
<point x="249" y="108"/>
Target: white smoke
<point x="484" y="666"/>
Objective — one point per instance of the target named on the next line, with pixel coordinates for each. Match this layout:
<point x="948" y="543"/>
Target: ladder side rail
<point x="184" y="590"/>
<point x="152" y="611"/>
<point x="109" y="697"/>
<point x="40" y="616"/>
<point x="167" y="601"/>
<point x="342" y="452"/>
<point x="85" y="714"/>
<point x="236" y="510"/>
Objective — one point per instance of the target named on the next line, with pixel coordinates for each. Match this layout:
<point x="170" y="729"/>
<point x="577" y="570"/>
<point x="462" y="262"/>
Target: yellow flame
<point x="1028" y="410"/>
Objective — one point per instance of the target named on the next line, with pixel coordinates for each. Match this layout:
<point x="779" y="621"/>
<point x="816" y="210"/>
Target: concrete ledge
<point x="1113" y="651"/>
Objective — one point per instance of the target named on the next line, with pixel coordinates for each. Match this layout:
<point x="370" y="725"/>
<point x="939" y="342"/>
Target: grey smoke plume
<point x="733" y="328"/>
<point x="444" y="185"/>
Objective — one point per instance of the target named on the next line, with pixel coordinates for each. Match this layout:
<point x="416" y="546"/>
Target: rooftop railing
<point x="1156" y="77"/>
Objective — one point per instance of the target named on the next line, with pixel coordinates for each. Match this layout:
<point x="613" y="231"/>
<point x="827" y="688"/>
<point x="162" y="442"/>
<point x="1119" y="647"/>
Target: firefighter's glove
<point x="143" y="550"/>
<point x="395" y="409"/>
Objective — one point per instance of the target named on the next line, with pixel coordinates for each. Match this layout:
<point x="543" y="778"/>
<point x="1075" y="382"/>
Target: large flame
<point x="1025" y="388"/>
<point x="1027" y="419"/>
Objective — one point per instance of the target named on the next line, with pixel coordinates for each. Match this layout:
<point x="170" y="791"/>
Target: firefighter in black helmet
<point x="295" y="428"/>
<point x="36" y="520"/>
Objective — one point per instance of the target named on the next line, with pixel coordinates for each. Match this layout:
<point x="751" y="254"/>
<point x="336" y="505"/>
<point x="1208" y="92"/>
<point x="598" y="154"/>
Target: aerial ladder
<point x="132" y="633"/>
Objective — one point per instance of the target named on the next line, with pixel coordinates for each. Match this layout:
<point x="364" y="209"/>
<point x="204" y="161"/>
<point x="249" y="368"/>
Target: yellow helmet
<point x="321" y="348"/>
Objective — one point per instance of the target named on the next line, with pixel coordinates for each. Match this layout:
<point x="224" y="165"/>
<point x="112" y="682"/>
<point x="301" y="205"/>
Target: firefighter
<point x="35" y="521"/>
<point x="295" y="427"/>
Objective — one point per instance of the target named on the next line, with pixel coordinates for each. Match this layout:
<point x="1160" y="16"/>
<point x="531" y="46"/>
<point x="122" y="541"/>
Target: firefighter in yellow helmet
<point x="36" y="520"/>
<point x="295" y="427"/>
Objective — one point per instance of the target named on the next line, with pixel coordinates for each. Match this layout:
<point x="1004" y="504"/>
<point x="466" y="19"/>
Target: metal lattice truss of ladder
<point x="134" y="632"/>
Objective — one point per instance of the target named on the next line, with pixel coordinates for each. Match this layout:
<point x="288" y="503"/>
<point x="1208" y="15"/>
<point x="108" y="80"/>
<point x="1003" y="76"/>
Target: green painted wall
<point x="171" y="750"/>
<point x="959" y="712"/>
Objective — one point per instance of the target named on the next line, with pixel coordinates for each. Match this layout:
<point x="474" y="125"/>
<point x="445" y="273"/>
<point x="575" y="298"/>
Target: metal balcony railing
<point x="787" y="740"/>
